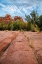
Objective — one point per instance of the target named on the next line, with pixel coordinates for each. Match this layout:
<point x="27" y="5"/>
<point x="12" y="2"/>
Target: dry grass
<point x="31" y="44"/>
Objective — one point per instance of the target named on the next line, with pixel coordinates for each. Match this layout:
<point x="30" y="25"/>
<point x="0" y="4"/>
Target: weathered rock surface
<point x="18" y="18"/>
<point x="36" y="40"/>
<point x="5" y="40"/>
<point x="19" y="52"/>
<point x="6" y="19"/>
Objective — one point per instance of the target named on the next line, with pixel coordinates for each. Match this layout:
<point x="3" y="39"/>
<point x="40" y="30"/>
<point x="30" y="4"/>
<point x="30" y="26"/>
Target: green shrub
<point x="11" y="26"/>
<point x="29" y="25"/>
<point x="34" y="28"/>
<point x="19" y="25"/>
<point x="3" y="26"/>
<point x="16" y="25"/>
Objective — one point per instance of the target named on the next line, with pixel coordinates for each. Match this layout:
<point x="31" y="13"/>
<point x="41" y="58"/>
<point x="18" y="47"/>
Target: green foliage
<point x="34" y="16"/>
<point x="40" y="22"/>
<point x="34" y="23"/>
<point x="34" y="28"/>
<point x="27" y="18"/>
<point x="11" y="26"/>
<point x="29" y="25"/>
<point x="17" y="25"/>
<point x="3" y="26"/>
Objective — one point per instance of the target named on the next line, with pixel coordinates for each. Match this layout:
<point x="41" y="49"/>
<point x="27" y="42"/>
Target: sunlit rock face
<point x="6" y="19"/>
<point x="18" y="18"/>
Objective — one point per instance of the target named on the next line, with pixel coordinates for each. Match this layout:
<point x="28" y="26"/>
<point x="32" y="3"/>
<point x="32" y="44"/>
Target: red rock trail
<point x="36" y="39"/>
<point x="19" y="52"/>
<point x="6" y="38"/>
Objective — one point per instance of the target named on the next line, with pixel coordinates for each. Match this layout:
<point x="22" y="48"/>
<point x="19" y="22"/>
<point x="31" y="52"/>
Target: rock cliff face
<point x="6" y="19"/>
<point x="18" y="17"/>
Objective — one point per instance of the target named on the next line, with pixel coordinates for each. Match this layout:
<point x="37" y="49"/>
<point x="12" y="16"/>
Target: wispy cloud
<point x="10" y="9"/>
<point x="21" y="7"/>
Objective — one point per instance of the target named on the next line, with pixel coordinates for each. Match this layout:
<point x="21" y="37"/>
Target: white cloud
<point x="28" y="2"/>
<point x="10" y="9"/>
<point x="22" y="1"/>
<point x="2" y="5"/>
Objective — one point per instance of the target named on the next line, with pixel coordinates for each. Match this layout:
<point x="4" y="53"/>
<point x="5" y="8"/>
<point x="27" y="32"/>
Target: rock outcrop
<point x="18" y="18"/>
<point x="6" y="19"/>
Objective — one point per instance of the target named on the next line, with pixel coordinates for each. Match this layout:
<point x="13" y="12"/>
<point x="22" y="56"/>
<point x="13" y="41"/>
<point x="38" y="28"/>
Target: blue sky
<point x="20" y="7"/>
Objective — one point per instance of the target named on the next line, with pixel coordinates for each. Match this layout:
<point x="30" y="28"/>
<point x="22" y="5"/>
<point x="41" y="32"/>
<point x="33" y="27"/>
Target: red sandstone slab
<point x="6" y="39"/>
<point x="36" y="39"/>
<point x="19" y="52"/>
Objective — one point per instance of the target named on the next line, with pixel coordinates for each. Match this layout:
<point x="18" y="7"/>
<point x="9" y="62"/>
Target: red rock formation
<point x="18" y="17"/>
<point x="6" y="19"/>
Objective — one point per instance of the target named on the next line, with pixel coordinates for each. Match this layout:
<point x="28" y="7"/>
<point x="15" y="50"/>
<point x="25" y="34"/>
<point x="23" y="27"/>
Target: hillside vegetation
<point x="33" y="22"/>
